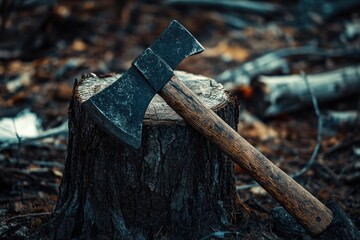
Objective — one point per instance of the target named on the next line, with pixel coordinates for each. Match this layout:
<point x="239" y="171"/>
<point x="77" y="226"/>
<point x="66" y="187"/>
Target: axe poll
<point x="119" y="110"/>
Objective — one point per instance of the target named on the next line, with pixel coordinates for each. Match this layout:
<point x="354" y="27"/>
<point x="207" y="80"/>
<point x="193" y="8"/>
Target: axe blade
<point x="175" y="44"/>
<point x="119" y="109"/>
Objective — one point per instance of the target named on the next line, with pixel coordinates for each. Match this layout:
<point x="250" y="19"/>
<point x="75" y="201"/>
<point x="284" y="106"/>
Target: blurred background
<point x="257" y="49"/>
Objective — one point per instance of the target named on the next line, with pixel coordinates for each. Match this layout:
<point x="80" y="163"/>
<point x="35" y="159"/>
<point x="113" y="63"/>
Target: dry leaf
<point x="78" y="45"/>
<point x="228" y="52"/>
<point x="258" y="191"/>
<point x="64" y="91"/>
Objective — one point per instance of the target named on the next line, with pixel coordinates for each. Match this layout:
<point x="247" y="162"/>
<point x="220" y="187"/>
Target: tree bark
<point x="176" y="186"/>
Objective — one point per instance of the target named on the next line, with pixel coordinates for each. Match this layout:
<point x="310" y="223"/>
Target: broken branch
<point x="256" y="7"/>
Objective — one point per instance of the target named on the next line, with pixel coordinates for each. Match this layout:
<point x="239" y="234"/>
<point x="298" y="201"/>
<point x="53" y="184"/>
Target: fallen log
<point x="274" y="61"/>
<point x="281" y="94"/>
<point x="176" y="186"/>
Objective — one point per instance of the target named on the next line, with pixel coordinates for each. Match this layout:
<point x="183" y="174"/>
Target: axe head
<point x="119" y="109"/>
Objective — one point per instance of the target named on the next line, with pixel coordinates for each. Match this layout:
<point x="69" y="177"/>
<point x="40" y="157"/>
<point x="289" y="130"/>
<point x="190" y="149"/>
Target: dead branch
<point x="250" y="6"/>
<point x="29" y="215"/>
<point x="273" y="61"/>
<point x="281" y="94"/>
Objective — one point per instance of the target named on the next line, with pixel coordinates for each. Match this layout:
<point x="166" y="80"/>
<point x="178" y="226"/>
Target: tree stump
<point x="176" y="186"/>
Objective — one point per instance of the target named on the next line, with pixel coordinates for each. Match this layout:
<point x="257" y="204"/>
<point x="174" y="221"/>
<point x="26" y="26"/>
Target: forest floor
<point x="43" y="49"/>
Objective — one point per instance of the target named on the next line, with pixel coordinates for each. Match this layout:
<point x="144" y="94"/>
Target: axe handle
<point x="302" y="205"/>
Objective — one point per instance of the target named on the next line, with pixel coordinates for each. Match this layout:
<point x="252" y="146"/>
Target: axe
<point x="119" y="111"/>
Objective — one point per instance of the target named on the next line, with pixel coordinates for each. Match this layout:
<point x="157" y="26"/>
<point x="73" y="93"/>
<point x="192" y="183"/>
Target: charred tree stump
<point x="176" y="186"/>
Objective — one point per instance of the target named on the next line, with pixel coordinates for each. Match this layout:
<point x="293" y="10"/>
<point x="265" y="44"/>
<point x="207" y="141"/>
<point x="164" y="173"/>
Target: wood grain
<point x="314" y="216"/>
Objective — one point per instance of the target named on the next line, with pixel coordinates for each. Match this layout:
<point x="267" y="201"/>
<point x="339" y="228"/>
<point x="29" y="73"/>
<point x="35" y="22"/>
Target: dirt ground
<point x="44" y="48"/>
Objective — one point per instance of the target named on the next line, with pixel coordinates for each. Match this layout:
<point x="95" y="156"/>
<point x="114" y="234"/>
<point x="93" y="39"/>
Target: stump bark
<point x="176" y="186"/>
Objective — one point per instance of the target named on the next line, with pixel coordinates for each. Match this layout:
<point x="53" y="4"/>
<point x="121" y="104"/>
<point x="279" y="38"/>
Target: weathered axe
<point x="119" y="110"/>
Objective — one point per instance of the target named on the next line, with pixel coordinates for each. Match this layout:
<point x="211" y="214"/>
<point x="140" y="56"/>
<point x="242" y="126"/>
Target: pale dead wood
<point x="280" y="94"/>
<point x="60" y="130"/>
<point x="274" y="61"/>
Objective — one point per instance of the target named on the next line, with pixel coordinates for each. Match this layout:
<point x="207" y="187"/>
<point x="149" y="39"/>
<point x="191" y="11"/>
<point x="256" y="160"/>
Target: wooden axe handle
<point x="302" y="205"/>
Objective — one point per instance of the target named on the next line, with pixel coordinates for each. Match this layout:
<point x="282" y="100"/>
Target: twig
<point x="257" y="7"/>
<point x="246" y="187"/>
<point x="19" y="142"/>
<point x="220" y="235"/>
<point x="319" y="133"/>
<point x="341" y="145"/>
<point x="27" y="216"/>
<point x="318" y="139"/>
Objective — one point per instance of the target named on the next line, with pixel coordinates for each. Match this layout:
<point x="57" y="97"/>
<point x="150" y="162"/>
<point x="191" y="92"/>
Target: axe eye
<point x="154" y="69"/>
